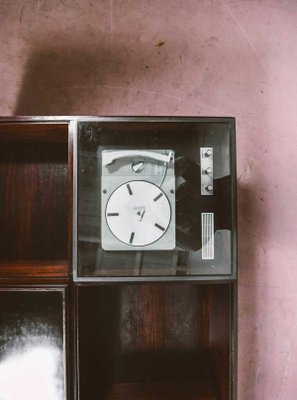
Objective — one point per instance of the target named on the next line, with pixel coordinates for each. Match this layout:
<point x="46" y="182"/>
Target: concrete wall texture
<point x="219" y="58"/>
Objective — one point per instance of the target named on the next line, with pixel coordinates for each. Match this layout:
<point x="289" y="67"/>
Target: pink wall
<point x="219" y="58"/>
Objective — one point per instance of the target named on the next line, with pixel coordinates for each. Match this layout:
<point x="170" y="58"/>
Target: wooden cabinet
<point x="129" y="322"/>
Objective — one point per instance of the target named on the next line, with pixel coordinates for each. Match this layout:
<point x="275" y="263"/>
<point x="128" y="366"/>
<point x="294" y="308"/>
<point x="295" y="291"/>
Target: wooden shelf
<point x="34" y="268"/>
<point x="161" y="391"/>
<point x="34" y="132"/>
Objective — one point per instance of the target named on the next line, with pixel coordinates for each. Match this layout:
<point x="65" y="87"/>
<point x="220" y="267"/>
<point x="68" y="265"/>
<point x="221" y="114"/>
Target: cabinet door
<point x="32" y="345"/>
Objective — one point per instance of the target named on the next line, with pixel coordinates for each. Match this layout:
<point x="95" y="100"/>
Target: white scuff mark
<point x="125" y="88"/>
<point x="206" y="106"/>
<point x="245" y="35"/>
<point x="259" y="370"/>
<point x="258" y="286"/>
<point x="246" y="173"/>
<point x="111" y="17"/>
<point x="287" y="368"/>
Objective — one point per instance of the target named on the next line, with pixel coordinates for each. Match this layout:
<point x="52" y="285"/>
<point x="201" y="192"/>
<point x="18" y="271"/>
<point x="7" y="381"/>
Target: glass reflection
<point x="32" y="373"/>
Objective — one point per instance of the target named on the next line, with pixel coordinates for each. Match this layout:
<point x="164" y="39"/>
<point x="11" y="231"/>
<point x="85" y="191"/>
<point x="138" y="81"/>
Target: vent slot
<point x="207" y="220"/>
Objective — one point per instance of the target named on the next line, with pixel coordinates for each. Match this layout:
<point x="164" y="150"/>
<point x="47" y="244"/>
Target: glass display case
<point x="155" y="197"/>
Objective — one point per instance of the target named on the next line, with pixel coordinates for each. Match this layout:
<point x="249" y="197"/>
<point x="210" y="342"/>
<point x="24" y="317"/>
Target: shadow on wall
<point x="59" y="81"/>
<point x="251" y="235"/>
<point x="70" y="81"/>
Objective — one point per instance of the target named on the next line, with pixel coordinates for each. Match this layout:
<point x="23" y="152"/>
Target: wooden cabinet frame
<point x="124" y="337"/>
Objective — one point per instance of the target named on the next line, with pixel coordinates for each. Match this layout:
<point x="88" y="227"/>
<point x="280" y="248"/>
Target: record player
<point x="152" y="200"/>
<point x="138" y="200"/>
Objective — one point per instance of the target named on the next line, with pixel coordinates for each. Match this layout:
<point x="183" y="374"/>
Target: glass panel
<point x="154" y="198"/>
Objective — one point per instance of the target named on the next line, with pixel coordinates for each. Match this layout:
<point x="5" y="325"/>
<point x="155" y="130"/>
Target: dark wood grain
<point x="34" y="268"/>
<point x="145" y="334"/>
<point x="162" y="391"/>
<point x="221" y="330"/>
<point x="33" y="132"/>
<point x="33" y="201"/>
